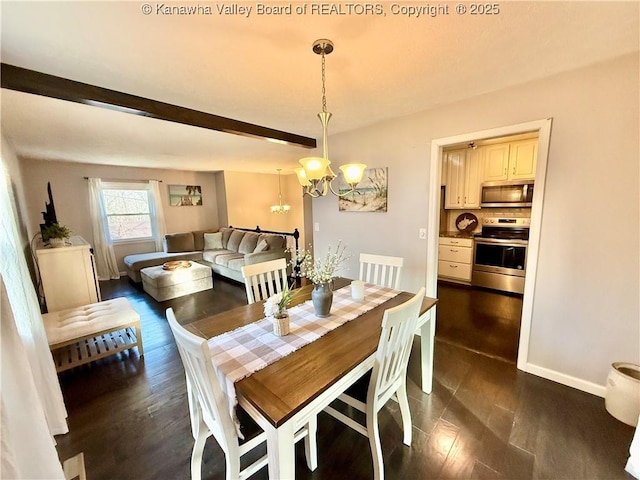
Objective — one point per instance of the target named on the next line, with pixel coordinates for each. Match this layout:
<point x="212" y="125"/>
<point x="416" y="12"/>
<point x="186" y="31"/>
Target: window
<point x="130" y="210"/>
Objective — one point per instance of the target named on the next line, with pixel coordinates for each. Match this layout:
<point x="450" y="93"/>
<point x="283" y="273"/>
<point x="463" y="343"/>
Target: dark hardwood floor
<point x="484" y="419"/>
<point x="479" y="319"/>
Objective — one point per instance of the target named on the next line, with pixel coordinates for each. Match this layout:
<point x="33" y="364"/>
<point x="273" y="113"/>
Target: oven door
<point x="506" y="257"/>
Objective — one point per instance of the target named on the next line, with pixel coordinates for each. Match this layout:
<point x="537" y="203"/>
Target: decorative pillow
<point x="262" y="246"/>
<point x="198" y="237"/>
<point x="213" y="241"/>
<point x="226" y="234"/>
<point x="248" y="244"/>
<point x="234" y="240"/>
<point x="275" y="242"/>
<point x="179" y="242"/>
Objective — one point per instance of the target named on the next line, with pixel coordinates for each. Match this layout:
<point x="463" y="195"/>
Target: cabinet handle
<point x="458" y="198"/>
<point x="454" y="241"/>
<point x="453" y="266"/>
<point x="514" y="170"/>
<point x="505" y="170"/>
<point x="453" y="251"/>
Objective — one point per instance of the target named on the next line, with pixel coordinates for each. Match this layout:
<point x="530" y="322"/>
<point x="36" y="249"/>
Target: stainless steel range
<point x="500" y="255"/>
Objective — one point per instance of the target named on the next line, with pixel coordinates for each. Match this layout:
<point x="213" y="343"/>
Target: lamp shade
<point x="353" y="172"/>
<point x="315" y="168"/>
<point x="302" y="177"/>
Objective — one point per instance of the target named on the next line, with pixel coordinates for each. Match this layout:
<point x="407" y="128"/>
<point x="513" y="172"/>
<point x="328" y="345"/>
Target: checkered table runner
<point x="247" y="349"/>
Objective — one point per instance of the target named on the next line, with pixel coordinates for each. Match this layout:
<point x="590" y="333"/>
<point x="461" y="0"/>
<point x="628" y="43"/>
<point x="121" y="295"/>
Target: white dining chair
<point x="264" y="279"/>
<point x="381" y="270"/>
<point x="388" y="378"/>
<point x="209" y="411"/>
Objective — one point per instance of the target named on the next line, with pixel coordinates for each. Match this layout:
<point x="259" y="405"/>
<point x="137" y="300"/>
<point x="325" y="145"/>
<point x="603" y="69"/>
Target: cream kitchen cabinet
<point x="68" y="275"/>
<point x="510" y="161"/>
<point x="464" y="170"/>
<point x="455" y="258"/>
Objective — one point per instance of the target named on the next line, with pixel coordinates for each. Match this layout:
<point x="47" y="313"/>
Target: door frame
<point x="543" y="128"/>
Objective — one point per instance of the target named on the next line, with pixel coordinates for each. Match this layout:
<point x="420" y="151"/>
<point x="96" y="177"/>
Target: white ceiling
<point x="261" y="70"/>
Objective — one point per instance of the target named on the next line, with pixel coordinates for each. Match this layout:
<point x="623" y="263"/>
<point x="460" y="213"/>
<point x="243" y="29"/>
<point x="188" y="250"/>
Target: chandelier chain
<point x="324" y="92"/>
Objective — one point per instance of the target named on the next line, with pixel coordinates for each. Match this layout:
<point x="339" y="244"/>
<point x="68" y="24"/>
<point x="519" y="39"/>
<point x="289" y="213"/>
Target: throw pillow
<point x="262" y="246"/>
<point x="179" y="242"/>
<point x="213" y="241"/>
<point x="198" y="237"/>
<point x="248" y="243"/>
<point x="234" y="240"/>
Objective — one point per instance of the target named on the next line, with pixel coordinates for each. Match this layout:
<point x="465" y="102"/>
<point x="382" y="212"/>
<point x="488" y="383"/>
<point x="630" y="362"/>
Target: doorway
<point x="543" y="128"/>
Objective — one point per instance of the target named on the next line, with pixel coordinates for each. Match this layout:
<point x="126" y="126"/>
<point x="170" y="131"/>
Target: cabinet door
<point x="472" y="178"/>
<point x="522" y="159"/>
<point x="496" y="162"/>
<point x="454" y="196"/>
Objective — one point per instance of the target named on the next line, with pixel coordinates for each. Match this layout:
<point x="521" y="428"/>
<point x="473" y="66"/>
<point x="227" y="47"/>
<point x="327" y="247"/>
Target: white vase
<point x="56" y="242"/>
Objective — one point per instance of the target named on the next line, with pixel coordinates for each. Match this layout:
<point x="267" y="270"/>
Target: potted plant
<point x="56" y="234"/>
<point x="276" y="307"/>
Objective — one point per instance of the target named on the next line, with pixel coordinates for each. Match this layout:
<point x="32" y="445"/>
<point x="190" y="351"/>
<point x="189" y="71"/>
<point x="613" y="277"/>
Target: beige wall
<point x="11" y="166"/>
<point x="586" y="303"/>
<point x="249" y="196"/>
<point x="70" y="194"/>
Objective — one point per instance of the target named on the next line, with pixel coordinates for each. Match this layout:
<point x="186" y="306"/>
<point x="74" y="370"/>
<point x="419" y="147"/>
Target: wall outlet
<point x="316" y="227"/>
<point x="422" y="234"/>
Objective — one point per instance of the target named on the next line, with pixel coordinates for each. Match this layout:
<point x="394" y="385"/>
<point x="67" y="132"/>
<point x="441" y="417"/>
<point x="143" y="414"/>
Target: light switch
<point x="422" y="233"/>
<point x="316" y="227"/>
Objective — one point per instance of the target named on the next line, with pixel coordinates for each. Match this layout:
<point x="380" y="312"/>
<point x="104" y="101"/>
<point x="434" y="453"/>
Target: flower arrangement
<point x="319" y="271"/>
<point x="276" y="305"/>
<point x="55" y="230"/>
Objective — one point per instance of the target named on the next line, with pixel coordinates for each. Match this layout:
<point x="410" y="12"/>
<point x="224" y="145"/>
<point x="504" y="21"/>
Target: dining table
<point x="289" y="393"/>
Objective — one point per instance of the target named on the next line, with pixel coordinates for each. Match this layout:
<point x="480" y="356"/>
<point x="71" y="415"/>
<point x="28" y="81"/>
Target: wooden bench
<point x="83" y="334"/>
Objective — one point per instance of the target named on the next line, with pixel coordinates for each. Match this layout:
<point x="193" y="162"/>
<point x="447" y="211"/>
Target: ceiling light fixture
<point x="280" y="208"/>
<point x="316" y="175"/>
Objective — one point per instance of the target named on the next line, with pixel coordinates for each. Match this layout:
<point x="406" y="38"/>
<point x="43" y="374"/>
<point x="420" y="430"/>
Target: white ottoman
<point x="164" y="284"/>
<point x="83" y="334"/>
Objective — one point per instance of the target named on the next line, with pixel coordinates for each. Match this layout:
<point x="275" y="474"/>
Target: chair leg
<point x="374" y="441"/>
<point x="405" y="412"/>
<point x="311" y="444"/>
<point x="198" y="449"/>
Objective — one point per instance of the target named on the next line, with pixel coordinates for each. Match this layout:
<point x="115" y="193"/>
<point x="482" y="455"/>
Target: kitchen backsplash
<point x="452" y="215"/>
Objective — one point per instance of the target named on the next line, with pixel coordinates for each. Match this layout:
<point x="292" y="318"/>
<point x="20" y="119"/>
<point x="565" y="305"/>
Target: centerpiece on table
<point x="276" y="307"/>
<point x="320" y="273"/>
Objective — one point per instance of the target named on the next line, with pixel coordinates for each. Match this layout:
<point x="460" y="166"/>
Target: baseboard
<point x="568" y="380"/>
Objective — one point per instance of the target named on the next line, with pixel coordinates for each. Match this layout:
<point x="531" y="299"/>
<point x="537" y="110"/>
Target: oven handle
<point x="501" y="241"/>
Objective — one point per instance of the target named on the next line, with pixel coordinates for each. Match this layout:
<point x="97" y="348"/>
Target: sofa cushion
<point x="234" y="240"/>
<point x="198" y="238"/>
<point x="210" y="255"/>
<point x="236" y="263"/>
<point x="213" y="241"/>
<point x="223" y="260"/>
<point x="226" y="233"/>
<point x="248" y="243"/>
<point x="180" y="242"/>
<point x="262" y="246"/>
<point x="275" y="242"/>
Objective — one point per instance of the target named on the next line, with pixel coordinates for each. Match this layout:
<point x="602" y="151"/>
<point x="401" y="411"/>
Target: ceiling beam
<point x="30" y="81"/>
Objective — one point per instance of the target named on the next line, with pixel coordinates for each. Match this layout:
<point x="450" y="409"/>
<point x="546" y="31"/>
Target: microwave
<point x="507" y="194"/>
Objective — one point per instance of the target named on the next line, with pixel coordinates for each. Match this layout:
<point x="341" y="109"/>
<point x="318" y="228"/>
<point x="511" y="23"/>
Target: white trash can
<point x="623" y="392"/>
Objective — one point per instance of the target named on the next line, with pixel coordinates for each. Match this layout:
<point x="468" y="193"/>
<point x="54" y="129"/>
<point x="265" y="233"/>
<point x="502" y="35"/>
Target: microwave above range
<point x="507" y="194"/>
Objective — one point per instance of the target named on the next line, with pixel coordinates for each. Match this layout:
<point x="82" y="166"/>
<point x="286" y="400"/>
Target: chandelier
<point x="280" y="208"/>
<point x="316" y="175"/>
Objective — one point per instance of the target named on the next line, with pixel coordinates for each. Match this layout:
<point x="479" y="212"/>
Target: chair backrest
<point x="392" y="357"/>
<point x="264" y="279"/>
<point x="381" y="270"/>
<point x="207" y="401"/>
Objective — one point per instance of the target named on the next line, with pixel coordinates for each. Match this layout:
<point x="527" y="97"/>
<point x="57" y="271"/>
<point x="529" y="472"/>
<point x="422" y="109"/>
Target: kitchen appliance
<point x="500" y="254"/>
<point x="507" y="194"/>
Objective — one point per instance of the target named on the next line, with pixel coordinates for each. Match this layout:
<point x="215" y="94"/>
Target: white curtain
<point x="30" y="398"/>
<point x="106" y="263"/>
<point x="161" y="226"/>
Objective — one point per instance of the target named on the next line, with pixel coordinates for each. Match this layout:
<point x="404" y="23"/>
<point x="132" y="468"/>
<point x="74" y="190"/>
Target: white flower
<point x="318" y="271"/>
<point x="277" y="303"/>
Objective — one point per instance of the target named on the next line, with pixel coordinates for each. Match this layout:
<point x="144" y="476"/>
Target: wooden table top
<point x="283" y="388"/>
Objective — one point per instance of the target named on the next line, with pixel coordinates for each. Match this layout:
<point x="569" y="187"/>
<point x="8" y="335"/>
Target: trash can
<point x="623" y="392"/>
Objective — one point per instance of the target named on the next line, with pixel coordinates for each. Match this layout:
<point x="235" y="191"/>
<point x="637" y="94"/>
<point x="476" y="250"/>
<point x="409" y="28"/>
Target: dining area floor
<point x="484" y="419"/>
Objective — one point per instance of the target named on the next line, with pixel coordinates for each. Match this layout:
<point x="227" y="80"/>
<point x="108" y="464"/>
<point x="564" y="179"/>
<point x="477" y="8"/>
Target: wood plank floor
<point x="484" y="419"/>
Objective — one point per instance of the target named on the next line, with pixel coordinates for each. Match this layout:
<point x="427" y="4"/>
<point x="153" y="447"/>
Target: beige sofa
<point x="225" y="251"/>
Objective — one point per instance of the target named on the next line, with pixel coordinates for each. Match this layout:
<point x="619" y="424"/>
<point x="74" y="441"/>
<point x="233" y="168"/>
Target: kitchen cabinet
<point x="68" y="275"/>
<point x="510" y="161"/>
<point x="464" y="170"/>
<point x="455" y="258"/>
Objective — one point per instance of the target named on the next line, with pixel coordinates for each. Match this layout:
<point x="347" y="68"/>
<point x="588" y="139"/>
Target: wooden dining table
<point x="289" y="393"/>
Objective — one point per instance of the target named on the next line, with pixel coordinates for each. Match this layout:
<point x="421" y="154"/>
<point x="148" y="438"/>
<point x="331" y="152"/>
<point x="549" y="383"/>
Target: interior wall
<point x="11" y="165"/>
<point x="250" y="196"/>
<point x="586" y="296"/>
<point x="70" y="194"/>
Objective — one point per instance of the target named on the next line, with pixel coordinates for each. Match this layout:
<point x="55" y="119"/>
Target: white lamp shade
<point x="302" y="177"/>
<point x="353" y="172"/>
<point x="315" y="168"/>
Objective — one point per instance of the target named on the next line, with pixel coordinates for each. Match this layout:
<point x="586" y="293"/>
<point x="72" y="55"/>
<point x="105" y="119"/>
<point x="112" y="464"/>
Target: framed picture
<point x="185" y="195"/>
<point x="369" y="196"/>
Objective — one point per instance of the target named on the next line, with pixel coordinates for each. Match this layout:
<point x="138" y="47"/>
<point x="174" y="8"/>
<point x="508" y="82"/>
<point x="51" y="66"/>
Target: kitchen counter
<point x="456" y="234"/>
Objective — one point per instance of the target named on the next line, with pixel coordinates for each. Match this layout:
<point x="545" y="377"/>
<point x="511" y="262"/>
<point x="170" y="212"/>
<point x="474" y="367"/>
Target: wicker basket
<point x="281" y="325"/>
